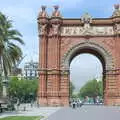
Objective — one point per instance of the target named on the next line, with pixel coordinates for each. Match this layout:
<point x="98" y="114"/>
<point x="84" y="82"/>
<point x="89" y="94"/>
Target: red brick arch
<point x="103" y="55"/>
<point x="62" y="39"/>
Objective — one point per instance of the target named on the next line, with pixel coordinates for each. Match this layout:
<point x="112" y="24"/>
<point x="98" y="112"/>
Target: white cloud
<point x="27" y="11"/>
<point x="81" y="70"/>
<point x="31" y="49"/>
<point x="22" y="14"/>
<point x="64" y="4"/>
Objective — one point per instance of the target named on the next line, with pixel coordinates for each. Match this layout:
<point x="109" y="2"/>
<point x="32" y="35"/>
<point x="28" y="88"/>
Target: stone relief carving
<point x="117" y="28"/>
<point x="86" y="30"/>
<point x="55" y="29"/>
<point x="116" y="12"/>
<point x="83" y="45"/>
<point x="86" y="18"/>
<point x="42" y="29"/>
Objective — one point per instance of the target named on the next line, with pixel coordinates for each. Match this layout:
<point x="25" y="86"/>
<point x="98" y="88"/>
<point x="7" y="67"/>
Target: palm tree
<point x="10" y="39"/>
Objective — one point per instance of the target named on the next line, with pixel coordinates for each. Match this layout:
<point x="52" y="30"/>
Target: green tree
<point x="100" y="84"/>
<point x="10" y="39"/>
<point x="72" y="88"/>
<point x="92" y="88"/>
<point x="24" y="89"/>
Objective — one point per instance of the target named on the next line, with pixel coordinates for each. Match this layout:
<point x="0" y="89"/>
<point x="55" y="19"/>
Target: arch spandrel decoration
<point x="105" y="54"/>
<point x="54" y="60"/>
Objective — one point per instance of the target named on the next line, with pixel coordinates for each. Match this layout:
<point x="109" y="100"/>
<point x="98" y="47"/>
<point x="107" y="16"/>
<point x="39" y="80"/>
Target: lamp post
<point x="5" y="85"/>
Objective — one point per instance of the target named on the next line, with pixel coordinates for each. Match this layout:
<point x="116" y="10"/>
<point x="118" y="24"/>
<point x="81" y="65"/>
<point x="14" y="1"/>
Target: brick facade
<point x="57" y="50"/>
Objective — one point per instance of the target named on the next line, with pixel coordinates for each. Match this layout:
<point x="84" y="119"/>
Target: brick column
<point x="113" y="76"/>
<point x="112" y="94"/>
<point x="42" y="28"/>
<point x="65" y="87"/>
<point x="53" y="66"/>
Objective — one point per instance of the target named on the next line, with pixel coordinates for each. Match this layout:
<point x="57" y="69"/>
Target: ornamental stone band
<point x="81" y="31"/>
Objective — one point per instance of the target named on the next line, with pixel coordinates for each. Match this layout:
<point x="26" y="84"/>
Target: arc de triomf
<point x="61" y="39"/>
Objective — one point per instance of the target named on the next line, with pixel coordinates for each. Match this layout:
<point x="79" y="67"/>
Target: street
<point x="87" y="113"/>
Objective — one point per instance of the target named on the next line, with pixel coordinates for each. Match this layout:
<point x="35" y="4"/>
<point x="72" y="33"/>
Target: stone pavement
<point x="87" y="113"/>
<point x="31" y="111"/>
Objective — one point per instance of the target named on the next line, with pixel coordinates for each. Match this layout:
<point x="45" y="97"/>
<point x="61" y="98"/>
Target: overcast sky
<point x="24" y="15"/>
<point x="85" y="67"/>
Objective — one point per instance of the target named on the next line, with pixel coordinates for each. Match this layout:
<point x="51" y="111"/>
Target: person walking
<point x="74" y="104"/>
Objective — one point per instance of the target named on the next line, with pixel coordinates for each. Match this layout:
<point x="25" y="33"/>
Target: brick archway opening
<point x="90" y="54"/>
<point x="85" y="67"/>
<point x="95" y="49"/>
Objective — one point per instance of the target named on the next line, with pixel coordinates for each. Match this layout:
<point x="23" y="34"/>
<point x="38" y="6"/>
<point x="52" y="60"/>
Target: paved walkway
<point x="34" y="111"/>
<point x="57" y="113"/>
<point x="87" y="113"/>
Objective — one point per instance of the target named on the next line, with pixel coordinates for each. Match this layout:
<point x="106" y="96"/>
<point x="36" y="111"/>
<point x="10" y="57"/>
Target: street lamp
<point x="5" y="85"/>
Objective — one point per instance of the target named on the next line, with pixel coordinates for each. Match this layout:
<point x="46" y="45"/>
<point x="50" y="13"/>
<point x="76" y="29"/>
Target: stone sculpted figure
<point x="117" y="28"/>
<point x="86" y="19"/>
<point x="55" y="29"/>
<point x="116" y="13"/>
<point x="42" y="29"/>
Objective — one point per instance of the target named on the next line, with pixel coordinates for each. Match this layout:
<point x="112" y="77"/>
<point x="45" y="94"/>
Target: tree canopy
<point x="72" y="88"/>
<point x="23" y="89"/>
<point x="92" y="88"/>
<point x="10" y="39"/>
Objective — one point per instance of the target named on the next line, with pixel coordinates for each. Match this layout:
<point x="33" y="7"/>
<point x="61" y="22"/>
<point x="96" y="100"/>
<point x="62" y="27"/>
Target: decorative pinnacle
<point x="43" y="13"/>
<point x="116" y="12"/>
<point x="116" y="6"/>
<point x="56" y="7"/>
<point x="43" y="7"/>
<point x="56" y="13"/>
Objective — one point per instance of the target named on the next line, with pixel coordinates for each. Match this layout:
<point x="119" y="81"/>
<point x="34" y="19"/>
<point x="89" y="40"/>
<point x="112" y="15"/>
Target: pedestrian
<point x="74" y="104"/>
<point x="82" y="103"/>
<point x="18" y="104"/>
<point x="32" y="102"/>
<point x="1" y="108"/>
<point x="38" y="105"/>
<point x="97" y="100"/>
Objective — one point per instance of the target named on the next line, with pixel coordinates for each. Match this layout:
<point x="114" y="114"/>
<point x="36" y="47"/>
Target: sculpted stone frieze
<point x="42" y="29"/>
<point x="55" y="29"/>
<point x="117" y="28"/>
<point x="87" y="30"/>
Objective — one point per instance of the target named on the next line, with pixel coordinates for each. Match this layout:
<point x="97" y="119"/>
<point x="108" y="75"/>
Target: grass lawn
<point x="22" y="118"/>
